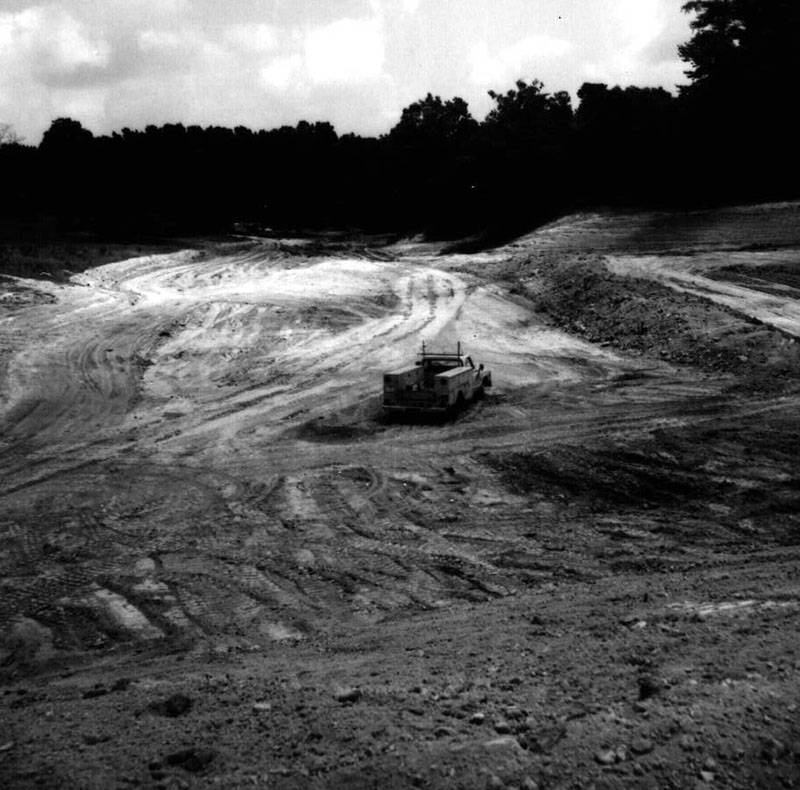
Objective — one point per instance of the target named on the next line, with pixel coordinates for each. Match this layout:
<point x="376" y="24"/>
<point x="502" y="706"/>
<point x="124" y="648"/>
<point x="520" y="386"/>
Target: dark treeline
<point x="726" y="137"/>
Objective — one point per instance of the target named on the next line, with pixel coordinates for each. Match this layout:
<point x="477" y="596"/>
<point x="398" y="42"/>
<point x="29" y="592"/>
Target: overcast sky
<point x="355" y="63"/>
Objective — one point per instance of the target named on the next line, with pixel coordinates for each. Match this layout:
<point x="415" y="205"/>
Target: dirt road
<point x="201" y="498"/>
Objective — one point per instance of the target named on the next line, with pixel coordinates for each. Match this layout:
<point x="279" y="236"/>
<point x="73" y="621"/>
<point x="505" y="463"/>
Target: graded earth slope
<point x="221" y="567"/>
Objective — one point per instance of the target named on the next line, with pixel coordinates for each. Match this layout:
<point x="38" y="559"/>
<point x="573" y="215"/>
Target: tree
<point x="529" y="112"/>
<point x="742" y="45"/>
<point x="435" y="121"/>
<point x="626" y="142"/>
<point x="744" y="60"/>
<point x="66" y="137"/>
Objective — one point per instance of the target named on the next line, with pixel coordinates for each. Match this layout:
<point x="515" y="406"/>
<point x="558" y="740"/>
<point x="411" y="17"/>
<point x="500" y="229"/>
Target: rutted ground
<point x="585" y="578"/>
<point x="179" y="384"/>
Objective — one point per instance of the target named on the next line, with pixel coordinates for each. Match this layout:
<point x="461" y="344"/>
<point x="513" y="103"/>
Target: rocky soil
<point x="221" y="566"/>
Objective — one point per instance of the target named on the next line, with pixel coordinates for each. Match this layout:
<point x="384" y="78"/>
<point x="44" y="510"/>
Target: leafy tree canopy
<point x="528" y="111"/>
<point x="621" y="112"/>
<point x="434" y="120"/>
<point x="65" y="135"/>
<point x="740" y="46"/>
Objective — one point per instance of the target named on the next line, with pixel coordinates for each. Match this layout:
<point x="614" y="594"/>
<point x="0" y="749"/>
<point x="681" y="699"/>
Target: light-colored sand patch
<point x="127" y="615"/>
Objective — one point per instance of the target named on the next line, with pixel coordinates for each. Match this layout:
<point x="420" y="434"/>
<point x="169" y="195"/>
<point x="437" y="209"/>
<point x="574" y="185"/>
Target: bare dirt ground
<point x="220" y="567"/>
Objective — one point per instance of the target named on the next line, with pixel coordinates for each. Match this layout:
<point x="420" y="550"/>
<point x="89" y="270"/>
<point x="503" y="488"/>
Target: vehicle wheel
<point x="480" y="393"/>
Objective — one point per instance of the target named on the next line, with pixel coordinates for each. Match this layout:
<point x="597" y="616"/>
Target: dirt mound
<point x="645" y="317"/>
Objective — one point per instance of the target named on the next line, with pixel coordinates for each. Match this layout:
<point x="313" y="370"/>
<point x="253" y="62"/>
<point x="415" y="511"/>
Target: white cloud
<point x="254" y="38"/>
<point x="48" y="42"/>
<point x="348" y="51"/>
<point x="114" y="63"/>
<point x="509" y="63"/>
<point x="626" y="70"/>
<point x="154" y="40"/>
<point x="535" y="48"/>
<point x="641" y="21"/>
<point x="641" y="26"/>
<point x="88" y="104"/>
<point x="485" y="69"/>
<point x="282" y="73"/>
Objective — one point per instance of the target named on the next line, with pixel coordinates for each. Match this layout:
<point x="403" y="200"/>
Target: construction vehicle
<point x="437" y="383"/>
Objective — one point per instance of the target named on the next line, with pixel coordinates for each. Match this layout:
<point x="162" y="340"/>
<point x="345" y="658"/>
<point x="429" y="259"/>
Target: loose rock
<point x="606" y="757"/>
<point x="642" y="746"/>
<point x="348" y="696"/>
<point x="543" y="741"/>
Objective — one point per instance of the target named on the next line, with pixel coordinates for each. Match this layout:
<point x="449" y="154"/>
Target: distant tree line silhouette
<point x="725" y="137"/>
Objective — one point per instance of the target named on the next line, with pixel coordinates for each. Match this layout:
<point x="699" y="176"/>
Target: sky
<point x="112" y="64"/>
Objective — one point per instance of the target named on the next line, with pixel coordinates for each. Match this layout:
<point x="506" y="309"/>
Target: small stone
<point x="687" y="743"/>
<point x="262" y="707"/>
<point x="529" y="784"/>
<point x="773" y="748"/>
<point x="545" y="740"/>
<point x="707" y="776"/>
<point x="494" y="782"/>
<point x="710" y="764"/>
<point x="606" y="756"/>
<point x="444" y="732"/>
<point x="348" y="696"/>
<point x="7" y="746"/>
<point x="503" y="743"/>
<point x="477" y="718"/>
<point x="642" y="746"/>
<point x="502" y="727"/>
<point x="621" y="753"/>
